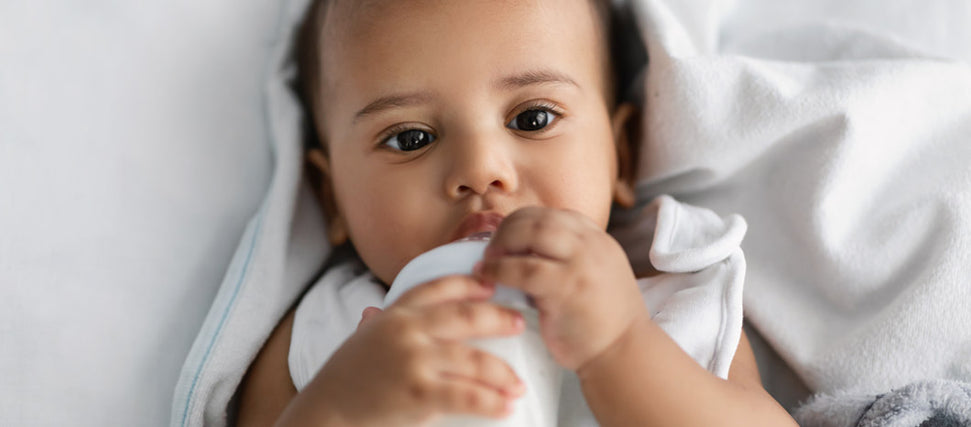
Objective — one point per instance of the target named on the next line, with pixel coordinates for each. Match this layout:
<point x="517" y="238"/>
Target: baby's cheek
<point x="586" y="174"/>
<point x="589" y="195"/>
<point x="387" y="242"/>
<point x="377" y="250"/>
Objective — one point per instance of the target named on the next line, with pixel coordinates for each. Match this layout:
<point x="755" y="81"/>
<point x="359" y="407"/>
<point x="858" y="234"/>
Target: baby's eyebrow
<point x="393" y="101"/>
<point x="515" y="81"/>
<point x="534" y="77"/>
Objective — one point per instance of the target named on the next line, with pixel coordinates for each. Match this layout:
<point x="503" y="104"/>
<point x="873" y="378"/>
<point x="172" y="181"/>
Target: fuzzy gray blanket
<point x="938" y="403"/>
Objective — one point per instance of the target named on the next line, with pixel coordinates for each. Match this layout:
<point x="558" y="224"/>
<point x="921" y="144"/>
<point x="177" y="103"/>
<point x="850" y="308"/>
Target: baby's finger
<point x="459" y="360"/>
<point x="536" y="276"/>
<point x="462" y="321"/>
<point x="541" y="232"/>
<point x="368" y="315"/>
<point x="460" y="396"/>
<point x="449" y="288"/>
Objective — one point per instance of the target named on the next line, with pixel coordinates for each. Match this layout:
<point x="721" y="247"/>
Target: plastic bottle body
<point x="526" y="353"/>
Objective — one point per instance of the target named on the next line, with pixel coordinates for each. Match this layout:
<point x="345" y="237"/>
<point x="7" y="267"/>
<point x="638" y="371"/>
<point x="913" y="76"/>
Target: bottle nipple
<point x="482" y="235"/>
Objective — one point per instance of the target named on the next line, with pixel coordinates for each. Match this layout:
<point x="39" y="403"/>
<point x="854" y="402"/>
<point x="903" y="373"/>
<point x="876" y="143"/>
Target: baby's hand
<point x="410" y="364"/>
<point x="579" y="277"/>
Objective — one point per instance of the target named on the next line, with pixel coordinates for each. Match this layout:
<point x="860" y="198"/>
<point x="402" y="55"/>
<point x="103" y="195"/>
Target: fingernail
<point x="510" y="405"/>
<point x="517" y="389"/>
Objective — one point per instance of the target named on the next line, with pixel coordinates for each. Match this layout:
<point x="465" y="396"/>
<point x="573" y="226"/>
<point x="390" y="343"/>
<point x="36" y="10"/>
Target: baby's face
<point x="440" y="117"/>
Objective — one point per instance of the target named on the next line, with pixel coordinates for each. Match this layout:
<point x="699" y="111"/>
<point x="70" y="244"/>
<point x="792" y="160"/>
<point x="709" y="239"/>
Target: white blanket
<point x="847" y="145"/>
<point x="133" y="151"/>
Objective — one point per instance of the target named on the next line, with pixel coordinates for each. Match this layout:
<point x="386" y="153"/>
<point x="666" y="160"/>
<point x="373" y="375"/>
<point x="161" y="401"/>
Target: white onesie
<point x="697" y="298"/>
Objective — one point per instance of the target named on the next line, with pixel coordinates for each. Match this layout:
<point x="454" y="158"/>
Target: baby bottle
<point x="525" y="353"/>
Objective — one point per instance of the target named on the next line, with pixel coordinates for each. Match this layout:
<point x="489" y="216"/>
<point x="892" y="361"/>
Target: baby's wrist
<point x="310" y="411"/>
<point x="318" y="405"/>
<point x="618" y="349"/>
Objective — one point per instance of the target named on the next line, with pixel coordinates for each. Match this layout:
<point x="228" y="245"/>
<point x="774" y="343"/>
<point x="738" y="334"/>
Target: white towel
<point x="697" y="299"/>
<point x="279" y="252"/>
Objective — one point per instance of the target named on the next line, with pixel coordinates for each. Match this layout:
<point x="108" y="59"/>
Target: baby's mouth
<point x="478" y="225"/>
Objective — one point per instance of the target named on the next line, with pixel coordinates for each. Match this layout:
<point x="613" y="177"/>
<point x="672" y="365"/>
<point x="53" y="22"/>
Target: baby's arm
<point x="595" y="322"/>
<point x="646" y="376"/>
<point x="404" y="366"/>
<point x="267" y="389"/>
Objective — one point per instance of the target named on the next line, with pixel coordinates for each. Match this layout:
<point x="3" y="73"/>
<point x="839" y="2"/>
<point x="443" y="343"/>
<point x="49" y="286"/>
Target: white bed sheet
<point x="133" y="150"/>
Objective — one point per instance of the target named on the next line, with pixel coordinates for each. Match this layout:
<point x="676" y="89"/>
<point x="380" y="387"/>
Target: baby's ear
<point x="626" y="127"/>
<point x="319" y="173"/>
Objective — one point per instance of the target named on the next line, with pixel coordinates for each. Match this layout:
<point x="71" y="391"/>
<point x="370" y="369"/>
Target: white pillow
<point x="133" y="149"/>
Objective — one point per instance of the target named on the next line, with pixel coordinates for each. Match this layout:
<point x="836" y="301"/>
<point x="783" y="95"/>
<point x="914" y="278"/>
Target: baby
<point x="440" y="119"/>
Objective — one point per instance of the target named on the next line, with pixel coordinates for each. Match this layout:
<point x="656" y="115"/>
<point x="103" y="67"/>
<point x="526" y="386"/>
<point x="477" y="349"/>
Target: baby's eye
<point x="532" y="120"/>
<point x="409" y="140"/>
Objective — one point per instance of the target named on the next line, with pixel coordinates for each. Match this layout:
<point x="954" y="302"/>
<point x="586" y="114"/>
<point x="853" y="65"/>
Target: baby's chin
<point x="386" y="273"/>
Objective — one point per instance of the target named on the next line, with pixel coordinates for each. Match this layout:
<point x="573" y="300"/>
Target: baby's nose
<point x="478" y="166"/>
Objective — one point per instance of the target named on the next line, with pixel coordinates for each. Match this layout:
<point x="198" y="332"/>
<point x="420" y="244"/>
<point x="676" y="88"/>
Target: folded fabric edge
<point x="190" y="388"/>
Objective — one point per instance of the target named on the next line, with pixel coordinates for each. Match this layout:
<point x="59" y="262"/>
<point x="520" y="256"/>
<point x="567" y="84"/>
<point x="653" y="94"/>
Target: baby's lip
<point x="477" y="224"/>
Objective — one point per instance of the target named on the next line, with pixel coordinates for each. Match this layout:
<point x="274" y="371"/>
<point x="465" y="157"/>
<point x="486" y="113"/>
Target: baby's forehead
<point x="362" y="37"/>
<point x="342" y="13"/>
<point x="347" y="22"/>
